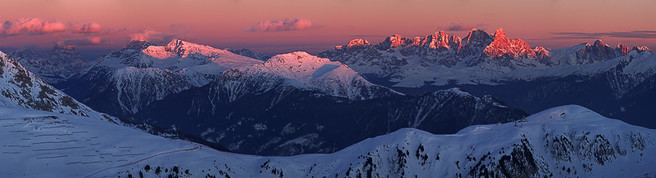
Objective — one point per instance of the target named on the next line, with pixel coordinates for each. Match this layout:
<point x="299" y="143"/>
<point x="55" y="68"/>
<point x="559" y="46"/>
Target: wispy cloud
<point x="88" y="28"/>
<point x="460" y="27"/>
<point x="277" y="25"/>
<point x="84" y="42"/>
<point x="585" y="35"/>
<point x="31" y="26"/>
<point x="151" y="35"/>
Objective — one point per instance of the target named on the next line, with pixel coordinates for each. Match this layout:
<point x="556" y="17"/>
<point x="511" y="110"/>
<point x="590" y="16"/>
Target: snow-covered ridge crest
<point x="564" y="141"/>
<point x="303" y="70"/>
<point x="177" y="47"/>
<point x="144" y="73"/>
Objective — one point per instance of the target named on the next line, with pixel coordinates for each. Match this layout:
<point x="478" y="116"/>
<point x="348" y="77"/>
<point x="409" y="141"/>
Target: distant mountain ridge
<point x="532" y="79"/>
<point x="54" y="66"/>
<point x="479" y="58"/>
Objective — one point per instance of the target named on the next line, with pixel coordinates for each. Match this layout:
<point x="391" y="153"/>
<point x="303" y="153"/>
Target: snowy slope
<point x="131" y="78"/>
<point x="302" y="70"/>
<point x="21" y="88"/>
<point x="564" y="141"/>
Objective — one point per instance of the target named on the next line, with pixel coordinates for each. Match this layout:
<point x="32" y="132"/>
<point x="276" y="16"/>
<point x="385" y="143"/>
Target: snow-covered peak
<point x="304" y="67"/>
<point x="181" y="48"/>
<point x="303" y="70"/>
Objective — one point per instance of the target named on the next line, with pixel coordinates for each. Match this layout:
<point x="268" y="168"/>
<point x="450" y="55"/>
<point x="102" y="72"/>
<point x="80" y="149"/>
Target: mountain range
<point x="404" y="107"/>
<point x="593" y="75"/>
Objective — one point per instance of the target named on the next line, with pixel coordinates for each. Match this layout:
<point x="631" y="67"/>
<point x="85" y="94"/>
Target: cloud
<point x="31" y="26"/>
<point x="585" y="35"/>
<point x="460" y="27"/>
<point x="88" y="28"/>
<point x="277" y="25"/>
<point x="151" y="36"/>
<point x="84" y="42"/>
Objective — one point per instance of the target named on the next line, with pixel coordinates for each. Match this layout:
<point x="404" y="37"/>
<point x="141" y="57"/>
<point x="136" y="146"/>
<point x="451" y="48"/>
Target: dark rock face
<point x="251" y="54"/>
<point x="268" y="118"/>
<point x="596" y="52"/>
<point x="24" y="89"/>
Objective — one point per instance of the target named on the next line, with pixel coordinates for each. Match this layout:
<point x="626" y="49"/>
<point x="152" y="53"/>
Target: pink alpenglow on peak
<point x="542" y="52"/>
<point x="442" y="40"/>
<point x="599" y="43"/>
<point x="182" y="49"/>
<point x="396" y="40"/>
<point x="641" y="48"/>
<point x="624" y="49"/>
<point x="357" y="43"/>
<point x="502" y="45"/>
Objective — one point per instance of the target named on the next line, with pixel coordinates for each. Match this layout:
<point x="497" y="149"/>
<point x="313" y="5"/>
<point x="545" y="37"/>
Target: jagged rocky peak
<point x="442" y="40"/>
<point x="394" y="41"/>
<point x="599" y="43"/>
<point x="641" y="48"/>
<point x="477" y="37"/>
<point x="502" y="45"/>
<point x="598" y="51"/>
<point x="624" y="49"/>
<point x="357" y="43"/>
<point x="541" y="52"/>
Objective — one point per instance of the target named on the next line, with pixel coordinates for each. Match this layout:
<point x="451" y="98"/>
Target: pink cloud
<point x="461" y="27"/>
<point x="88" y="28"/>
<point x="150" y="35"/>
<point x="31" y="26"/>
<point x="281" y="25"/>
<point x="84" y="42"/>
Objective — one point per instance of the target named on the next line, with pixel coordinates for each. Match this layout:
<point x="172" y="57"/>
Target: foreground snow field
<point x="562" y="141"/>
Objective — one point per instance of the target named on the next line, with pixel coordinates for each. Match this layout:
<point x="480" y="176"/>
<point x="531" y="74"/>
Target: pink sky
<point x="276" y="26"/>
